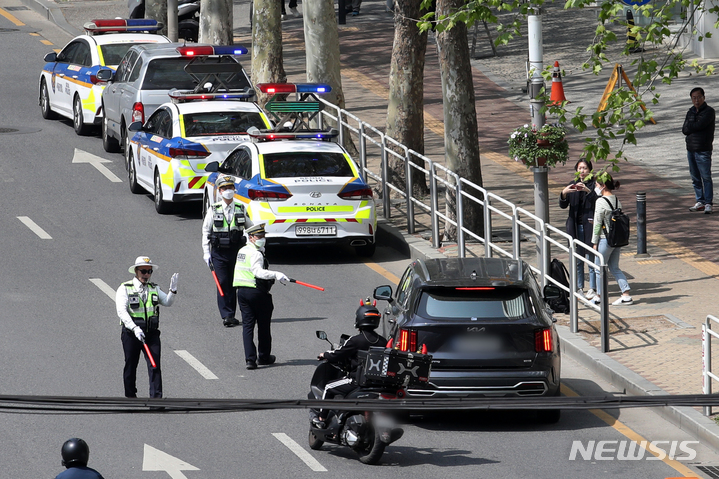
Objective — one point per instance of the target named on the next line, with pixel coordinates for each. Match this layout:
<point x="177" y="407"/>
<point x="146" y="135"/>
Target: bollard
<point x="642" y="225"/>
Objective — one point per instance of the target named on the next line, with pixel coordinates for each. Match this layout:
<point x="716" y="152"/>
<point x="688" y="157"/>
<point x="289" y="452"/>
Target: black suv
<point x="485" y="323"/>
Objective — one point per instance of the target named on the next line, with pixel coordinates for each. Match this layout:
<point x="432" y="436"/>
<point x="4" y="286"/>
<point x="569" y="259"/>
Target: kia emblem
<point x="315" y="194"/>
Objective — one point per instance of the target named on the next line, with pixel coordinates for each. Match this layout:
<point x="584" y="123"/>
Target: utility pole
<point x="216" y="25"/>
<point x="172" y="20"/>
<point x="536" y="104"/>
<point x="157" y="10"/>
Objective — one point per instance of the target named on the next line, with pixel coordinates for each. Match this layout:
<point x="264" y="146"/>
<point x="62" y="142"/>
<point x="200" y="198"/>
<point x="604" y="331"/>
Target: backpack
<point x="618" y="233"/>
<point x="558" y="272"/>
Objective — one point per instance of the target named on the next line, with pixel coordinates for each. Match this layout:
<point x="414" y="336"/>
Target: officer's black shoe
<point x="230" y="322"/>
<point x="266" y="362"/>
<point x="250" y="364"/>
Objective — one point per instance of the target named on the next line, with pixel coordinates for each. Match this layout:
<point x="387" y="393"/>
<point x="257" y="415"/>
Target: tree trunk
<point x="322" y="49"/>
<point x="216" y="22"/>
<point x="267" y="64"/>
<point x="405" y="110"/>
<point x="157" y="10"/>
<point x="461" y="139"/>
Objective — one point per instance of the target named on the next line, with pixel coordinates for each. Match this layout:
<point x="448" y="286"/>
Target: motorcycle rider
<point x="367" y="318"/>
<point x="75" y="454"/>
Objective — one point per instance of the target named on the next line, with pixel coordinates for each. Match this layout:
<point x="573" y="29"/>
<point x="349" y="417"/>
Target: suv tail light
<point x="543" y="341"/>
<point x="138" y="112"/>
<point x="362" y="194"/>
<point x="185" y="154"/>
<point x="264" y="195"/>
<point x="407" y="340"/>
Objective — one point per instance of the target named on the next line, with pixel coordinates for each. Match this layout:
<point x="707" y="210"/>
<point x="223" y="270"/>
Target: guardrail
<point x="707" y="374"/>
<point x="496" y="210"/>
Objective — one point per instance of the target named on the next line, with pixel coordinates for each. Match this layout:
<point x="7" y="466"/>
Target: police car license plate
<point x="323" y="230"/>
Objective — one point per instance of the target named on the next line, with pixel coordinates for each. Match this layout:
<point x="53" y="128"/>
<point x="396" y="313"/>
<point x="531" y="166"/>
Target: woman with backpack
<point x="579" y="196"/>
<point x="605" y="205"/>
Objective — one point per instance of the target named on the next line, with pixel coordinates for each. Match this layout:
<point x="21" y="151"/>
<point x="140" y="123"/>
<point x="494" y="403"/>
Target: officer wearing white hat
<point x="138" y="305"/>
<point x="253" y="281"/>
<point x="222" y="238"/>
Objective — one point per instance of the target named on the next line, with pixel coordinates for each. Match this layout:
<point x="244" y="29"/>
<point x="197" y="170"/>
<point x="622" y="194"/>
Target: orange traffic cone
<point x="557" y="95"/>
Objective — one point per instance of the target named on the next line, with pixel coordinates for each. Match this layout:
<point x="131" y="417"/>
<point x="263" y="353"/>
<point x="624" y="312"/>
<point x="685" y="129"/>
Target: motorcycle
<point x="368" y="433"/>
<point x="188" y="17"/>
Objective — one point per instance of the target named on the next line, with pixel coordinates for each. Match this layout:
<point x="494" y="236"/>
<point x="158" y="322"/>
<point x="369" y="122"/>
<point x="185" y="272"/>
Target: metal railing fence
<point x="707" y="374"/>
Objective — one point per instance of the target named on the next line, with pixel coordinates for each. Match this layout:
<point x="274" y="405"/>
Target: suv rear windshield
<point x="112" y="53"/>
<point x="221" y="122"/>
<point x="453" y="304"/>
<point x="294" y="165"/>
<point x="168" y="73"/>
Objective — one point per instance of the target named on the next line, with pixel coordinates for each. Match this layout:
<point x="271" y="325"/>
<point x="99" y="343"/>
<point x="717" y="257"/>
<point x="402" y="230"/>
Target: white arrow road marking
<point x="96" y="161"/>
<point x="156" y="460"/>
<point x="311" y="462"/>
<point x="34" y="227"/>
<point x="199" y="367"/>
<point x="104" y="287"/>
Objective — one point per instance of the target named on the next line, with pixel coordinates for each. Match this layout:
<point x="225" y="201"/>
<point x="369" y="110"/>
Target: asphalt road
<point x="59" y="334"/>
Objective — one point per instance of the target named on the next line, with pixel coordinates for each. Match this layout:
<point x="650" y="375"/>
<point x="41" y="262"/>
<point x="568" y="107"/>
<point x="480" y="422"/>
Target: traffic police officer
<point x="222" y="238"/>
<point x="253" y="281"/>
<point x="75" y="454"/>
<point x="138" y="305"/>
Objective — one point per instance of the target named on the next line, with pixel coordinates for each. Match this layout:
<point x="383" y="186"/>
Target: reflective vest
<point x="243" y="277"/>
<point x="145" y="314"/>
<point x="227" y="235"/>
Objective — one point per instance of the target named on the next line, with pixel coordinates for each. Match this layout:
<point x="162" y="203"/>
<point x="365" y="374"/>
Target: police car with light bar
<point x="69" y="85"/>
<point x="168" y="154"/>
<point x="297" y="180"/>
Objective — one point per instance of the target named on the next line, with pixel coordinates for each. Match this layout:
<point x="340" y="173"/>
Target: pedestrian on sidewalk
<point x="605" y="204"/>
<point x="699" y="131"/>
<point x="580" y="197"/>
<point x="293" y="9"/>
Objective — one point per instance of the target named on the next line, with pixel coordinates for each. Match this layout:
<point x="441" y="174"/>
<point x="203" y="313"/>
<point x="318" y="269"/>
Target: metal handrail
<point x="707" y="374"/>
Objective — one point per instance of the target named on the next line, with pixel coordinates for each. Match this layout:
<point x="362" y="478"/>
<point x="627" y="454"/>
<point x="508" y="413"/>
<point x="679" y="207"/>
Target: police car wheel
<point x="110" y="144"/>
<point x="132" y="176"/>
<point x="161" y="206"/>
<point x="47" y="112"/>
<point x="78" y="122"/>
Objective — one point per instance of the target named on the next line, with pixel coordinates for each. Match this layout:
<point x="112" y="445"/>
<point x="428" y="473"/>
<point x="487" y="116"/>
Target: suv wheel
<point x="109" y="143"/>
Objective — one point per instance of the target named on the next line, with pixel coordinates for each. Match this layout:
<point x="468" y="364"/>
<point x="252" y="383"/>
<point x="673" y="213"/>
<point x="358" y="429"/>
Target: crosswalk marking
<point x="34" y="227"/>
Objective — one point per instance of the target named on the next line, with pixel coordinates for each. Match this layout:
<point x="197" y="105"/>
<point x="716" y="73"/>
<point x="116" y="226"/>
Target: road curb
<point x="53" y="13"/>
<point x="686" y="418"/>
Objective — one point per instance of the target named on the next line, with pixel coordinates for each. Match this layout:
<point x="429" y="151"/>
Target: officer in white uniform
<point x="138" y="305"/>
<point x="222" y="238"/>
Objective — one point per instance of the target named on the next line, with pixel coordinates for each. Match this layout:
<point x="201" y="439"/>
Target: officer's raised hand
<point x="173" y="284"/>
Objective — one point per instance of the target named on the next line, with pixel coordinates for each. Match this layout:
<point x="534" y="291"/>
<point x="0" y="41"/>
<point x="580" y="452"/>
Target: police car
<point x="168" y="154"/>
<point x="300" y="183"/>
<point x="69" y="85"/>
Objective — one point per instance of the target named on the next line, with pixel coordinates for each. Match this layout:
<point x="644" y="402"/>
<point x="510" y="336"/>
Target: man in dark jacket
<point x="699" y="130"/>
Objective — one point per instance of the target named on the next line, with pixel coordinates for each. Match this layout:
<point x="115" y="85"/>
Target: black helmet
<point x="367" y="317"/>
<point x="75" y="452"/>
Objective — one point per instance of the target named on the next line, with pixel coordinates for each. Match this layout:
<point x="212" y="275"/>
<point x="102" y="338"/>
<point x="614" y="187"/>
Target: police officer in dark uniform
<point x="222" y="238"/>
<point x="253" y="281"/>
<point x="75" y="454"/>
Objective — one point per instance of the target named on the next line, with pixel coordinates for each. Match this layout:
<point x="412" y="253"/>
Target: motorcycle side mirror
<point x="321" y="335"/>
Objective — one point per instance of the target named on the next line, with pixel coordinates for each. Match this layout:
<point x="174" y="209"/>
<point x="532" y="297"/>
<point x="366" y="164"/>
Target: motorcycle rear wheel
<point x="314" y="443"/>
<point x="372" y="452"/>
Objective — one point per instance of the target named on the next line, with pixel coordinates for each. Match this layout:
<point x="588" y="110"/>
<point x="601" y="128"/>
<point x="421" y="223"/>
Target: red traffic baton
<point x="149" y="354"/>
<point x="307" y="284"/>
<point x="217" y="281"/>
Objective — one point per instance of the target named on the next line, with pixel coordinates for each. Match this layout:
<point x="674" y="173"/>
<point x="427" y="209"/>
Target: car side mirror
<point x="135" y="126"/>
<point x="105" y="74"/>
<point x="383" y="292"/>
<point x="50" y="57"/>
<point x="213" y="167"/>
<point x="551" y="292"/>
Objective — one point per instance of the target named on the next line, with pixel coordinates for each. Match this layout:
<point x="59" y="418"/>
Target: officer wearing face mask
<point x="253" y="281"/>
<point x="222" y="238"/>
<point x="137" y="303"/>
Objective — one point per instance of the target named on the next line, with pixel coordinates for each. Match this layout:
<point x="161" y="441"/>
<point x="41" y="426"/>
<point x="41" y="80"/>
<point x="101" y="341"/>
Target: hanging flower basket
<point x="544" y="147"/>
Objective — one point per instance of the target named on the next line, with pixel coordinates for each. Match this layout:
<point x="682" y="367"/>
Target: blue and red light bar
<point x="206" y="50"/>
<point x="300" y="135"/>
<point x="123" y="25"/>
<point x="190" y="95"/>
<point x="273" y="88"/>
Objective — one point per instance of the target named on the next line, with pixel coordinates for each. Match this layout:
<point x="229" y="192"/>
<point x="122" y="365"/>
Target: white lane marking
<point x="34" y="227"/>
<point x="81" y="156"/>
<point x="199" y="367"/>
<point x="156" y="460"/>
<point x="104" y="287"/>
<point x="299" y="452"/>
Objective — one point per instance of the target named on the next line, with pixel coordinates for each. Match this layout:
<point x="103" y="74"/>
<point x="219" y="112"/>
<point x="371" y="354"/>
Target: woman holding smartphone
<point x="580" y="197"/>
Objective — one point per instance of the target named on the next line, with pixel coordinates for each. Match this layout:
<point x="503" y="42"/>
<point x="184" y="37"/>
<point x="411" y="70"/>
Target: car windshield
<point x="221" y="122"/>
<point x="453" y="304"/>
<point x="295" y="164"/>
<point x="168" y="73"/>
<point x="112" y="53"/>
